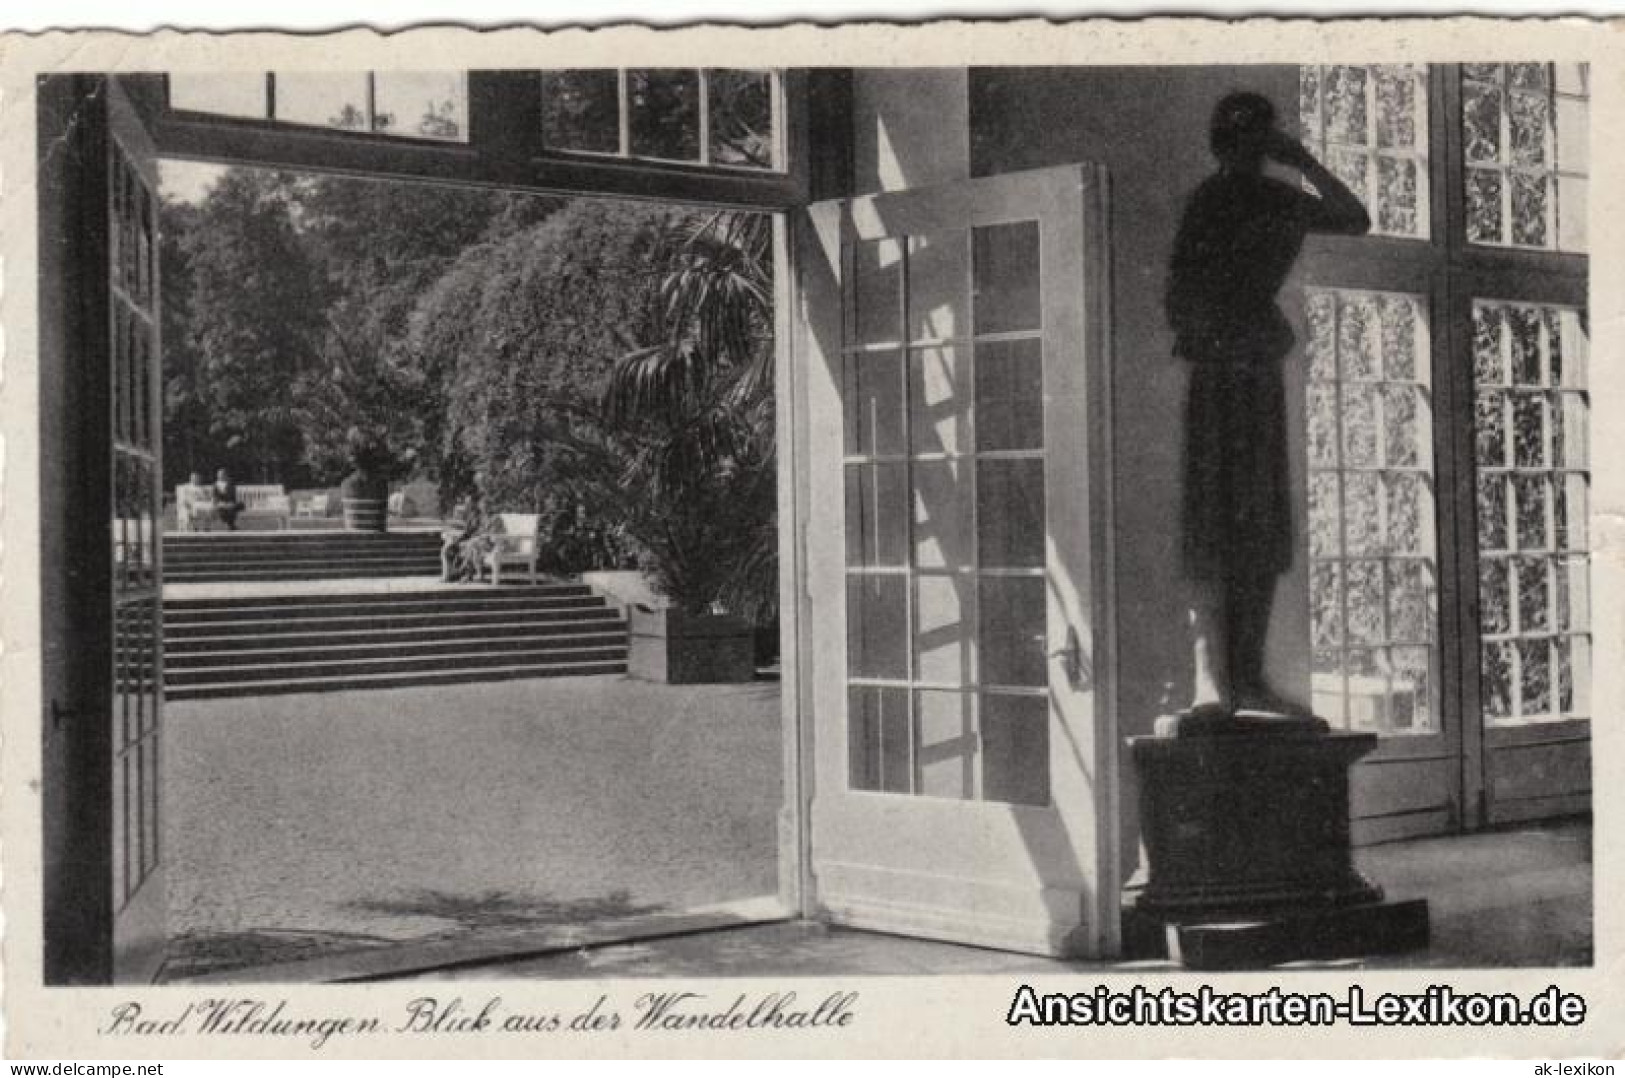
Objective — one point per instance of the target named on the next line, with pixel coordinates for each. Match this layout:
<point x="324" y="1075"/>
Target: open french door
<point x="964" y="753"/>
<point x="101" y="512"/>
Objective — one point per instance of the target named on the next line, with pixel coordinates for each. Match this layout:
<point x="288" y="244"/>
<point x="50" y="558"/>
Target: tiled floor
<point x="1511" y="898"/>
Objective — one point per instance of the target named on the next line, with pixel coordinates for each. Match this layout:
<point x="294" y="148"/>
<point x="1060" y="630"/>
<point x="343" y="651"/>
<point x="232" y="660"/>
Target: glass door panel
<point x="959" y="367"/>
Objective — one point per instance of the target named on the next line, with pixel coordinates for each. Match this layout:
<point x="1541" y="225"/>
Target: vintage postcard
<point x="976" y="538"/>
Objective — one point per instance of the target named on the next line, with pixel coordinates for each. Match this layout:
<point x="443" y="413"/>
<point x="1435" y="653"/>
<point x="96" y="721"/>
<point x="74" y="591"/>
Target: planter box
<point x="687" y="649"/>
<point x="365" y="514"/>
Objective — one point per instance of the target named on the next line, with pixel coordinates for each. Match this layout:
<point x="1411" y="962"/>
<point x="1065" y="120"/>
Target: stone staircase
<point x="256" y="557"/>
<point x="253" y="645"/>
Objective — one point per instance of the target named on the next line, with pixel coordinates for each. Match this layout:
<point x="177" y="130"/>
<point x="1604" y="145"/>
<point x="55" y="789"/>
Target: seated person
<point x="226" y="505"/>
<point x="455" y="537"/>
<point x="193" y="501"/>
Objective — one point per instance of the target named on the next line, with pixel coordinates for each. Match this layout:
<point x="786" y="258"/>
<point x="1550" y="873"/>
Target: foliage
<point x="690" y="421"/>
<point x="525" y="328"/>
<point x="356" y="410"/>
<point x="247" y="318"/>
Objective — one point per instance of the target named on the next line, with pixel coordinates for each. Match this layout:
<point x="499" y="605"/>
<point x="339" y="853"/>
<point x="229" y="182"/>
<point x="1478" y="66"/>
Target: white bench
<point x="517" y="541"/>
<point x="194" y="506"/>
<point x="265" y="500"/>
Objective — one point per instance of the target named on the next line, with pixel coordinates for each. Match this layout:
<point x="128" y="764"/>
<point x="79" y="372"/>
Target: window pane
<point x="741" y="118"/>
<point x="876" y="515"/>
<point x="1359" y="425"/>
<point x="1015" y="741"/>
<point x="1529" y="117"/>
<point x="1011" y="628"/>
<point x="220" y="92"/>
<point x="1346" y="105"/>
<point x="326" y="100"/>
<point x="1523" y="135"/>
<point x="1530" y="200"/>
<point x="426" y="104"/>
<point x="1572" y="193"/>
<point x="1006" y="278"/>
<point x="1492" y="512"/>
<point x="873" y="396"/>
<point x="1010" y="512"/>
<point x="942" y="511"/>
<point x="1010" y="394"/>
<point x="1483" y="206"/>
<point x="1396" y="197"/>
<point x="939" y="400"/>
<point x="877" y="626"/>
<point x="945" y="756"/>
<point x="663" y="113"/>
<point x="945" y="629"/>
<point x="878" y="738"/>
<point x="1396" y="107"/>
<point x="876" y="293"/>
<point x="1410" y="601"/>
<point x="1326" y="604"/>
<point x="938" y="286"/>
<point x="1481" y="123"/>
<point x="581" y="110"/>
<point x="1401" y="406"/>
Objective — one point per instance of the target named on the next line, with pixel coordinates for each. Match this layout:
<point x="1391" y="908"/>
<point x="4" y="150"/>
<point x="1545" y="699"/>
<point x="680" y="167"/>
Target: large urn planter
<point x="366" y="503"/>
<point x="689" y="649"/>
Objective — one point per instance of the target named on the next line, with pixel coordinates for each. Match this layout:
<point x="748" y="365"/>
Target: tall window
<point x="1501" y="323"/>
<point x="1524" y="138"/>
<point x="705" y="116"/>
<point x="409" y="104"/>
<point x="1370" y="126"/>
<point x="1529" y="364"/>
<point x="1371" y="540"/>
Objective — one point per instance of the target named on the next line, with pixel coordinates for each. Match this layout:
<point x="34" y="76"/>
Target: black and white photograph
<point x="544" y="511"/>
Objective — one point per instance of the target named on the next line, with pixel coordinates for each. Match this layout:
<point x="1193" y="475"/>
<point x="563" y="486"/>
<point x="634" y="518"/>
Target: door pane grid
<point x="1530" y="444"/>
<point x="951" y="716"/>
<point x="1373" y="572"/>
<point x="136" y="510"/>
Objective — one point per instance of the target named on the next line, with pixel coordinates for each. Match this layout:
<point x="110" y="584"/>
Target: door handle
<point x="1073" y="661"/>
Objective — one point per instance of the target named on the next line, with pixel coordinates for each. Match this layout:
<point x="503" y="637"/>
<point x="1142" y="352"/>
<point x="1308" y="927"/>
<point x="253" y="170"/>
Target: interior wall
<point x="1148" y="126"/>
<point x="910" y="128"/>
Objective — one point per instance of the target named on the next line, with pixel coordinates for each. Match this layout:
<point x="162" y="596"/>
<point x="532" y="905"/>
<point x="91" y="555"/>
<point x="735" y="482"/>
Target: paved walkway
<point x="308" y="824"/>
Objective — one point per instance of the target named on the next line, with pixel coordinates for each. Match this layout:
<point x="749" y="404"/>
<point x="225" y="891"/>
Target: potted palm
<point x="684" y="452"/>
<point x="359" y="420"/>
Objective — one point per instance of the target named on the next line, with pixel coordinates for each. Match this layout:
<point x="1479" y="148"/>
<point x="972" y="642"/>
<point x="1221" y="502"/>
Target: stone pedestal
<point x="1245" y="827"/>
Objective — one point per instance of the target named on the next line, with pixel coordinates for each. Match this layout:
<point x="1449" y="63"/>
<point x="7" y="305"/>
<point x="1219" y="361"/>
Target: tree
<point x="253" y="303"/>
<point x="525" y="329"/>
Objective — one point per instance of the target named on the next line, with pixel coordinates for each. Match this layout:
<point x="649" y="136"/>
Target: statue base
<point x="1245" y="824"/>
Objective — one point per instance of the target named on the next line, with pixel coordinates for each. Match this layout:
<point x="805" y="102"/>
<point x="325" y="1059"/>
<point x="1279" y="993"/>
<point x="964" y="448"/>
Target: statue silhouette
<point x="1239" y="237"/>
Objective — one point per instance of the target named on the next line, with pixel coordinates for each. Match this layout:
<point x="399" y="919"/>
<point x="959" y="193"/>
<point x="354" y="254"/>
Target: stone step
<point x="295" y="550"/>
<point x="505" y="597"/>
<point x="590" y="622"/>
<point x="222" y="622"/>
<point x="274" y="575"/>
<point x="182" y="663"/>
<point x="394" y="680"/>
<point x="344" y="668"/>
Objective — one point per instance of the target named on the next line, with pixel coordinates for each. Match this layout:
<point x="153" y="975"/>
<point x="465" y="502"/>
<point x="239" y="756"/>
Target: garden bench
<point x="194" y="506"/>
<point x="516" y="540"/>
